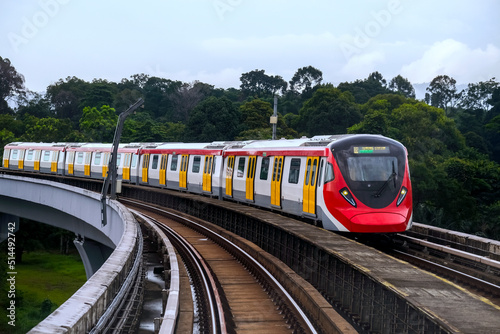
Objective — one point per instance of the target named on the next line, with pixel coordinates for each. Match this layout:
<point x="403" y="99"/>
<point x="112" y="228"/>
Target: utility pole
<point x="112" y="163"/>
<point x="274" y="117"/>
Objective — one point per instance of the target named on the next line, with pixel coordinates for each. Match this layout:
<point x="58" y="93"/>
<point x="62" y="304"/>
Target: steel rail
<point x="453" y="251"/>
<point x="216" y="311"/>
<point x="276" y="285"/>
<point x="487" y="286"/>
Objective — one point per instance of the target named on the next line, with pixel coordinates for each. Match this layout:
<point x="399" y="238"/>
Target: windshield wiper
<point x="386" y="183"/>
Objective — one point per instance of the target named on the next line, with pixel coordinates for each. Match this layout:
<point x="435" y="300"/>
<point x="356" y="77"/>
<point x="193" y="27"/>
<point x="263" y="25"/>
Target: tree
<point x="99" y="125"/>
<point x="49" y="130"/>
<point x="363" y="90"/>
<point x="37" y="105"/>
<point x="187" y="97"/>
<point x="213" y="119"/>
<point x="403" y="86"/>
<point x="442" y="93"/>
<point x="477" y="96"/>
<point x="99" y="93"/>
<point x="257" y="83"/>
<point x="11" y="84"/>
<point x="305" y="78"/>
<point x="255" y="114"/>
<point x="158" y="94"/>
<point x="66" y="97"/>
<point x="329" y="111"/>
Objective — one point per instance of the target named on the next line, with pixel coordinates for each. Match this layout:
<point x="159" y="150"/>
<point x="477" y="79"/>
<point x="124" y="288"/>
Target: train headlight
<point x="347" y="196"/>
<point x="402" y="195"/>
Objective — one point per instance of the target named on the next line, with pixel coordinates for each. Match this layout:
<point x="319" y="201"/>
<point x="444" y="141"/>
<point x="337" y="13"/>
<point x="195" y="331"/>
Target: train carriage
<point x="280" y="175"/>
<point x="35" y="157"/>
<point x="347" y="183"/>
<point x="193" y="167"/>
<point x="92" y="160"/>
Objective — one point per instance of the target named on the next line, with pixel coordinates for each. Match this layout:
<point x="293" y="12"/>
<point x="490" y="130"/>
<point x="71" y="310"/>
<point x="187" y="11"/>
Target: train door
<point x="53" y="163"/>
<point x="229" y="176"/>
<point x="207" y="173"/>
<point x="250" y="178"/>
<point x="20" y="163"/>
<point x="145" y="167"/>
<point x="126" y="167"/>
<point x="88" y="158"/>
<point x="105" y="164"/>
<point x="276" y="181"/>
<point x="163" y="169"/>
<point x="134" y="168"/>
<point x="6" y="156"/>
<point x="309" y="190"/>
<point x="71" y="162"/>
<point x="36" y="163"/>
<point x="183" y="171"/>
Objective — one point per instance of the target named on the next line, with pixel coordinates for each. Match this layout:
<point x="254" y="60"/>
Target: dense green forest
<point x="453" y="137"/>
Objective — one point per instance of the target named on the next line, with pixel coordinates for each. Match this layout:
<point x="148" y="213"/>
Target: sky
<point x="215" y="41"/>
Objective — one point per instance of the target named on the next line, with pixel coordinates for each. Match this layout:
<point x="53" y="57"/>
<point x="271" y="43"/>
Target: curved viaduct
<point x="107" y="250"/>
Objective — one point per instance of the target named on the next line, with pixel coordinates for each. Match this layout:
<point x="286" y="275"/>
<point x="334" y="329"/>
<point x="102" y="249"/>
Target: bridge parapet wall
<point x="77" y="210"/>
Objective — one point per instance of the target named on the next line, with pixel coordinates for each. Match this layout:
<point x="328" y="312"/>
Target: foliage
<point x="403" y="86"/>
<point x="329" y="111"/>
<point x="442" y="92"/>
<point x="363" y="90"/>
<point x="453" y="138"/>
<point x="99" y="125"/>
<point x="257" y="83"/>
<point x="213" y="119"/>
<point x="304" y="79"/>
<point x="11" y="84"/>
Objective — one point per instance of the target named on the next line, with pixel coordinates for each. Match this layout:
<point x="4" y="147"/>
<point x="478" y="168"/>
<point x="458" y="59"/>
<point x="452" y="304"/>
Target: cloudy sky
<point x="215" y="41"/>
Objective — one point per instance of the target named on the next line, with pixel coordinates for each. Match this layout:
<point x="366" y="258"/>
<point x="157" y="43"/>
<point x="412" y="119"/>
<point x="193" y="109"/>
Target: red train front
<point x="370" y="188"/>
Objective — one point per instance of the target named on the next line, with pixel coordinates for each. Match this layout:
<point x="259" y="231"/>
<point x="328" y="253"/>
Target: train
<point x="355" y="183"/>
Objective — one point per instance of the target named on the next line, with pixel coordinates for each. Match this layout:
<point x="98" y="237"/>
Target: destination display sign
<point x="371" y="149"/>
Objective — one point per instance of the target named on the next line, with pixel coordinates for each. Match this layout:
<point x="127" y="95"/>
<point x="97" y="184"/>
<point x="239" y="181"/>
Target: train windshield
<point x="373" y="169"/>
<point x="369" y="168"/>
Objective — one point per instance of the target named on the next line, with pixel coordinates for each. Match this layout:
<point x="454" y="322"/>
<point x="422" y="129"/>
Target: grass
<point x="44" y="281"/>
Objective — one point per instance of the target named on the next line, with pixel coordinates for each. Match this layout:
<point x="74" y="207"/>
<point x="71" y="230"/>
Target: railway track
<point x="466" y="268"/>
<point x="232" y="291"/>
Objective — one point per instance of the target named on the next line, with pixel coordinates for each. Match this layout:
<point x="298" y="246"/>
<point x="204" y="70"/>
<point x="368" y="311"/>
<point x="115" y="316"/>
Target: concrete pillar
<point x="93" y="254"/>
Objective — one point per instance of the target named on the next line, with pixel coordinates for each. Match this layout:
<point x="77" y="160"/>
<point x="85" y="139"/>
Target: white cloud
<point x="289" y="45"/>
<point x="456" y="59"/>
<point x="359" y="66"/>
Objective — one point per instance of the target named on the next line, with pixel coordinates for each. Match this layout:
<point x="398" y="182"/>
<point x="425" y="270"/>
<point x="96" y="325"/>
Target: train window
<point x="264" y="168"/>
<point x="134" y="161"/>
<point x="14" y="154"/>
<point x="79" y="158"/>
<point x="71" y="157"/>
<point x="46" y="156"/>
<point x="196" y="164"/>
<point x="155" y="162"/>
<point x="241" y="167"/>
<point x="30" y="155"/>
<point x="118" y="158"/>
<point x="97" y="159"/>
<point x="329" y="175"/>
<point x="173" y="164"/>
<point x="293" y="175"/>
<point x="320" y="172"/>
